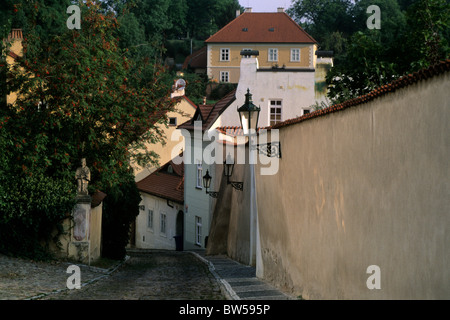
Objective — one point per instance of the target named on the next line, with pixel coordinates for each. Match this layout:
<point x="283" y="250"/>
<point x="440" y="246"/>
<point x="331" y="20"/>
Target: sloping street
<point x="159" y="275"/>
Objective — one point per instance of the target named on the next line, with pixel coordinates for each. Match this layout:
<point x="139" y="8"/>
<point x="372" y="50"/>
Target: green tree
<point x="326" y="21"/>
<point x="79" y="96"/>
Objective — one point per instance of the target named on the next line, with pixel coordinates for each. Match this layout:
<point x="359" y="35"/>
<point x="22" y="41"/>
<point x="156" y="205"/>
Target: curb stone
<point x="229" y="293"/>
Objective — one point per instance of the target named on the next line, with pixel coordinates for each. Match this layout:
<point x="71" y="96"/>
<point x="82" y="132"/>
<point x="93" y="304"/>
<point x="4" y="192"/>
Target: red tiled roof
<point x="198" y="59"/>
<point x="234" y="131"/>
<point x="262" y="27"/>
<point x="97" y="198"/>
<point x="209" y="113"/>
<point x="426" y="73"/>
<point x="165" y="185"/>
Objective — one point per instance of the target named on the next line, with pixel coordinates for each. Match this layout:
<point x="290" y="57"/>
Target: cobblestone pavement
<point x="145" y="275"/>
<point x="25" y="279"/>
<point x="154" y="275"/>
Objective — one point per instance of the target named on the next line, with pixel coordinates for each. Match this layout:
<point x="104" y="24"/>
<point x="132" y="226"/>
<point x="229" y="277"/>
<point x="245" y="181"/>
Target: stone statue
<point x="83" y="176"/>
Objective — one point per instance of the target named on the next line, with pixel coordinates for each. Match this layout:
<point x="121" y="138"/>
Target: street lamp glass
<point x="249" y="114"/>
<point x="228" y="166"/>
<point x="207" y="180"/>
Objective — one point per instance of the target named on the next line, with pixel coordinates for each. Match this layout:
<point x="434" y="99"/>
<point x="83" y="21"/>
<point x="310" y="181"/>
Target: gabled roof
<point x="164" y="184"/>
<point x="262" y="27"/>
<point x="197" y="59"/>
<point x="208" y="114"/>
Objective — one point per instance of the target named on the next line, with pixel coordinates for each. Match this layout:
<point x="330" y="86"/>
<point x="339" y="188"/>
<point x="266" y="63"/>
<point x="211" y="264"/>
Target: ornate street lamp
<point x="228" y="171"/>
<point x="207" y="184"/>
<point x="249" y="114"/>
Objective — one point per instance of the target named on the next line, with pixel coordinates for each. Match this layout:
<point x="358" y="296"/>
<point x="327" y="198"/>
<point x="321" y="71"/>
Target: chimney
<point x="248" y="9"/>
<point x="238" y="13"/>
<point x="280" y="9"/>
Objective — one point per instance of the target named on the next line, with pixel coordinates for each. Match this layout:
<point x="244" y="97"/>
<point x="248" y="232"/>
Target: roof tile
<point x="257" y="27"/>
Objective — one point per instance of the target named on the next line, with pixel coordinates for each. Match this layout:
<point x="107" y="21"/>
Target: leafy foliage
<point x="79" y="95"/>
<point x="119" y="216"/>
<point x="414" y="34"/>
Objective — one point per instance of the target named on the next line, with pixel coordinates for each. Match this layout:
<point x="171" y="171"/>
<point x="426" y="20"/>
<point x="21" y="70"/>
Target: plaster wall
<point x="365" y="186"/>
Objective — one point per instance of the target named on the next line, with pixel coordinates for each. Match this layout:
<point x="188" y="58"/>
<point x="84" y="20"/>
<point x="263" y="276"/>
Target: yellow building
<point x="184" y="110"/>
<point x="14" y="51"/>
<point x="281" y="42"/>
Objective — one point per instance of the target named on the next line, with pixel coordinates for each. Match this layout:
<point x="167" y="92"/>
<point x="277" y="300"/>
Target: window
<point x="224" y="76"/>
<point x="150" y="219"/>
<point x="305" y="111"/>
<point x="198" y="230"/>
<point x="275" y="111"/>
<point x="162" y="223"/>
<point x="172" y="121"/>
<point x="295" y="55"/>
<point x="224" y="54"/>
<point x="198" y="183"/>
<point x="273" y="54"/>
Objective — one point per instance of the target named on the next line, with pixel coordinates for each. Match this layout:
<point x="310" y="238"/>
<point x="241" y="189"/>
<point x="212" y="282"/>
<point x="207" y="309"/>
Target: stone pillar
<point x="79" y="245"/>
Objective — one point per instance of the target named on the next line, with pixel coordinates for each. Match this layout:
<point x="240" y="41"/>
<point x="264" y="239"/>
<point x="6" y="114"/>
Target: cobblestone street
<point x="155" y="275"/>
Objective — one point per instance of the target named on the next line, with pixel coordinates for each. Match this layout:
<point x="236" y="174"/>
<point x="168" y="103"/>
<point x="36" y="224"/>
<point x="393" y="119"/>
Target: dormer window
<point x="170" y="169"/>
<point x="272" y="29"/>
<point x="245" y="29"/>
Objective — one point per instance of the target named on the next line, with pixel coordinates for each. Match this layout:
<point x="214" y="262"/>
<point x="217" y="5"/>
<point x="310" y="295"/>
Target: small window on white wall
<point x="150" y="219"/>
<point x="199" y="179"/>
<point x="275" y="111"/>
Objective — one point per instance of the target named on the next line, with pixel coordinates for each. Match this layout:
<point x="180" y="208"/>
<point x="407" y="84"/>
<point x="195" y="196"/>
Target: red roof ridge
<point x="224" y="27"/>
<point x="258" y="31"/>
<point x="404" y="81"/>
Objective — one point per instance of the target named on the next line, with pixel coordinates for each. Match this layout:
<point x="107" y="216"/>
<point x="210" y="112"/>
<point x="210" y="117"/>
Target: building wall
<point x="152" y="238"/>
<point x="296" y="90"/>
<point x="184" y="112"/>
<point x="365" y="186"/>
<point x="231" y="222"/>
<point x="215" y="65"/>
<point x="197" y="202"/>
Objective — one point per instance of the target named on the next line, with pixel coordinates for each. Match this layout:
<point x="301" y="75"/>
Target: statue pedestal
<point x="79" y="246"/>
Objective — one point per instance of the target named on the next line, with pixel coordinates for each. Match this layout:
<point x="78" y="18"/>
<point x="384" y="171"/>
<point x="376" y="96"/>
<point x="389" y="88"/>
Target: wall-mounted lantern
<point x="228" y="171"/>
<point x="207" y="184"/>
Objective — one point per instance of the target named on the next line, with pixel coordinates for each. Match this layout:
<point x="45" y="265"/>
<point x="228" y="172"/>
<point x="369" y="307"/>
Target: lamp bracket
<point x="271" y="149"/>
<point x="213" y="194"/>
<point x="237" y="185"/>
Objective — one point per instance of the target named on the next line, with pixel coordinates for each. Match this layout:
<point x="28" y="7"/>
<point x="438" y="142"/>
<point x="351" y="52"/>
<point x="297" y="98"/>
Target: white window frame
<point x="272" y="54"/>
<point x="277" y="106"/>
<point x="198" y="230"/>
<point x="295" y="55"/>
<point x="199" y="175"/>
<point x="150" y="216"/>
<point x="224" y="54"/>
<point x="163" y="223"/>
<point x="225" y="76"/>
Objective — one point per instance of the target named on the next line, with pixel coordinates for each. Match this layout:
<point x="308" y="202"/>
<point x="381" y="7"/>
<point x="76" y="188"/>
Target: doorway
<point x="179" y="232"/>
